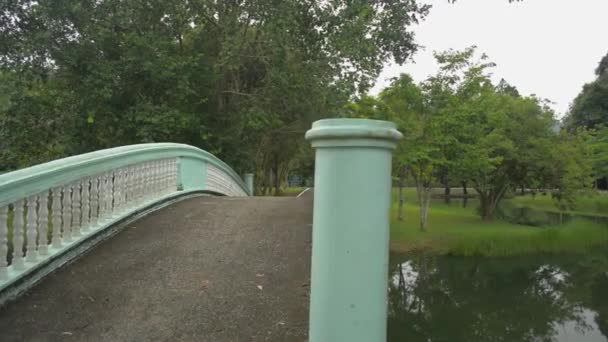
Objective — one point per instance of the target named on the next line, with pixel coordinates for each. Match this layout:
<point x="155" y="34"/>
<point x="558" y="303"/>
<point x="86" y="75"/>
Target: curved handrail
<point x="25" y="182"/>
<point x="49" y="209"/>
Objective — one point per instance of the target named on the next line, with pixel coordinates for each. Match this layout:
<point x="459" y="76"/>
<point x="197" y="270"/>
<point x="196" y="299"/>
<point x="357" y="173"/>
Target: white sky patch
<point x="544" y="47"/>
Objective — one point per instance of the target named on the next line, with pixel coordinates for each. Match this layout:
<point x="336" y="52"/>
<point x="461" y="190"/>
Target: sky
<point x="545" y="47"/>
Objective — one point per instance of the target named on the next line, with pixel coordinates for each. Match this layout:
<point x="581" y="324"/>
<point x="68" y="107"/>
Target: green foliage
<point x="590" y="110"/>
<point x="242" y="80"/>
<point x="460" y="127"/>
<point x="599" y="150"/>
<point x="571" y="167"/>
<point x="590" y="107"/>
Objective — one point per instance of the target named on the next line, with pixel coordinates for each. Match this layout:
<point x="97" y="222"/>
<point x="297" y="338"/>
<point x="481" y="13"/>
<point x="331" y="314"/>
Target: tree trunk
<point x="423" y="218"/>
<point x="489" y="202"/>
<point x="276" y="181"/>
<point x="401" y="200"/>
<point x="424" y="208"/>
<point x="464" y="188"/>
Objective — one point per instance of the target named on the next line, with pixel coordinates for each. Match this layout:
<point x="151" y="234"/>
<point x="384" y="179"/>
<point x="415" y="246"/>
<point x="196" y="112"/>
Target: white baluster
<point x="76" y="222"/>
<point x="112" y="193"/>
<point x="43" y="223"/>
<point x="118" y="178"/>
<point x="86" y="205"/>
<point x="173" y="174"/>
<point x="131" y="186"/>
<point x="139" y="183"/>
<point x="109" y="194"/>
<point x="124" y="188"/>
<point x="169" y="176"/>
<point x="94" y="200"/>
<point x="56" y="211"/>
<point x="103" y="200"/>
<point x="67" y="213"/>
<point x="157" y="169"/>
<point x="18" y="232"/>
<point x="150" y="180"/>
<point x="136" y="175"/>
<point x="31" y="254"/>
<point x="164" y="179"/>
<point x="154" y="178"/>
<point x="3" y="242"/>
<point x="161" y="177"/>
<point x="145" y="182"/>
<point x="157" y="166"/>
<point x="136" y="187"/>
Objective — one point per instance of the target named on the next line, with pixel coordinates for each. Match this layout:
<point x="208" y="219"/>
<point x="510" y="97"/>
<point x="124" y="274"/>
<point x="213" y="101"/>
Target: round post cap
<point x="353" y="133"/>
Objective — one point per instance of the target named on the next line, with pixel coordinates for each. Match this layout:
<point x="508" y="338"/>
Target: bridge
<point x="158" y="242"/>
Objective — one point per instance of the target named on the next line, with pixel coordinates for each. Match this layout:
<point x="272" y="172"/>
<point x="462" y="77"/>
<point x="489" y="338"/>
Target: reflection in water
<point x="515" y="299"/>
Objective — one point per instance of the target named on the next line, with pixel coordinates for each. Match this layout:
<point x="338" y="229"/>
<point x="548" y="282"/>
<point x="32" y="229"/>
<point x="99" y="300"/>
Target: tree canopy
<point x="241" y="79"/>
<point x="590" y="108"/>
<point x="460" y="127"/>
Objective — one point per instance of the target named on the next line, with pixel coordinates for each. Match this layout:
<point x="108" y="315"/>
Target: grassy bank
<point x="592" y="204"/>
<point x="287" y="191"/>
<point x="292" y="191"/>
<point x="456" y="230"/>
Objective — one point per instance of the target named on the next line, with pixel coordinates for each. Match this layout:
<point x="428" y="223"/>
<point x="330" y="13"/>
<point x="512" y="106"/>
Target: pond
<point x="498" y="299"/>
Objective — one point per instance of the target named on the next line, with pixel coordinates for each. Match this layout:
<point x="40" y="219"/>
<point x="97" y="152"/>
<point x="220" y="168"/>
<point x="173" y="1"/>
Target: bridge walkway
<point x="203" y="269"/>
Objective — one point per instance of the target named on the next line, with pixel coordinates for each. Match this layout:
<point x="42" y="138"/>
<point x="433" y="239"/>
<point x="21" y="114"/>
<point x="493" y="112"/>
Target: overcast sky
<point x="545" y="47"/>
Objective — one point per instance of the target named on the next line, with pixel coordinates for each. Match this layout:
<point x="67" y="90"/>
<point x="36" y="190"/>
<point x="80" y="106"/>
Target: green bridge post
<point x="248" y="177"/>
<point x="349" y="275"/>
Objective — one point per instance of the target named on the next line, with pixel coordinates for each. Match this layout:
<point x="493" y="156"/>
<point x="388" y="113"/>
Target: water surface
<point x="498" y="299"/>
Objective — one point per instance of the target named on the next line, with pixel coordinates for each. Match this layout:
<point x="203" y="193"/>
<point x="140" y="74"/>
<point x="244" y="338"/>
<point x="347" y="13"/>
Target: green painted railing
<point x="49" y="209"/>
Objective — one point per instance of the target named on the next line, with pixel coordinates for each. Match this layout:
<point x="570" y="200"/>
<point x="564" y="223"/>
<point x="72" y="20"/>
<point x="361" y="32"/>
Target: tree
<point x="590" y="108"/>
<point x="403" y="103"/>
<point x="461" y="77"/>
<point x="427" y="115"/>
<point x="241" y="79"/>
<point x="572" y="167"/>
<point x="489" y="134"/>
<point x="508" y="146"/>
<point x="459" y="126"/>
<point x="599" y="149"/>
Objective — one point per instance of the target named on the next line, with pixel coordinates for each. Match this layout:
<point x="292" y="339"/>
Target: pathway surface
<point x="204" y="269"/>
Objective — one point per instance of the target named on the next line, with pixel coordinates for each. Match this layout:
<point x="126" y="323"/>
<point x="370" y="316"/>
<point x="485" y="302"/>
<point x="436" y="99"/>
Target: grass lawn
<point x="593" y="204"/>
<point x="287" y="191"/>
<point x="455" y="230"/>
<point x="292" y="191"/>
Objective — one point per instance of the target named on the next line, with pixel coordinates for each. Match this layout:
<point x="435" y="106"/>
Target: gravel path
<point x="204" y="269"/>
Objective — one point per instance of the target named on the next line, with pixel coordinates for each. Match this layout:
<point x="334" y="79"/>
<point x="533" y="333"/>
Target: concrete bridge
<point x="163" y="242"/>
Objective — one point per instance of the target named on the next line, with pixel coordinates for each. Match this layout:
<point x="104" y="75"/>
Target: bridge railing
<point x="47" y="209"/>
